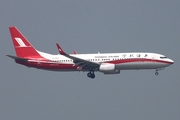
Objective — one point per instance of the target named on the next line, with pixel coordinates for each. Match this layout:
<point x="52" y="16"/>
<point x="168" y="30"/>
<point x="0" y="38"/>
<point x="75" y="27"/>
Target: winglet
<point x="60" y="49"/>
<point x="75" y="52"/>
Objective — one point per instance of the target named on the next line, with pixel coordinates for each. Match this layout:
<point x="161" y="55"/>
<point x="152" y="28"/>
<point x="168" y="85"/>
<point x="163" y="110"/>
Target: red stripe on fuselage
<point x="137" y="60"/>
<point x="51" y="65"/>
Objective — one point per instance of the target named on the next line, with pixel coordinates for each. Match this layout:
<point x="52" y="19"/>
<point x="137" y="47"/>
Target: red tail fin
<point x="22" y="46"/>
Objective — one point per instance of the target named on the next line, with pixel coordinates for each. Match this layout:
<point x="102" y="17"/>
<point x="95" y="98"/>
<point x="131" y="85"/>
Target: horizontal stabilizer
<point x="17" y="58"/>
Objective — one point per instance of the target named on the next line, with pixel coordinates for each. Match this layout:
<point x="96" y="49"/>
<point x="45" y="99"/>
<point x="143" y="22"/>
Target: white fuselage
<point x="122" y="61"/>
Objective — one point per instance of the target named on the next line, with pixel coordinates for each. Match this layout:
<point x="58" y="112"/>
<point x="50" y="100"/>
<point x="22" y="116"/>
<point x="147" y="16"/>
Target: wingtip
<point x="75" y="52"/>
<point x="60" y="49"/>
<point x="57" y="44"/>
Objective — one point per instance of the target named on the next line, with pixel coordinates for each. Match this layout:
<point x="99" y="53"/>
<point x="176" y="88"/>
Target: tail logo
<point x="20" y="42"/>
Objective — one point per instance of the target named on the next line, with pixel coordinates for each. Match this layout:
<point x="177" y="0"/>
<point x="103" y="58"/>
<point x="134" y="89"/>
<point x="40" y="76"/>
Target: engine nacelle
<point x="107" y="68"/>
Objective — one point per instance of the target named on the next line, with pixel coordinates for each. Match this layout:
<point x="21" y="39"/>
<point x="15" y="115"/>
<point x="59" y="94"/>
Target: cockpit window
<point x="163" y="57"/>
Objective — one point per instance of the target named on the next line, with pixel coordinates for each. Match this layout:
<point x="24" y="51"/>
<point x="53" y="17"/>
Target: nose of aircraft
<point x="171" y="61"/>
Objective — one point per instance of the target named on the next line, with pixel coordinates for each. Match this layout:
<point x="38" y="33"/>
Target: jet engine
<point x="107" y="68"/>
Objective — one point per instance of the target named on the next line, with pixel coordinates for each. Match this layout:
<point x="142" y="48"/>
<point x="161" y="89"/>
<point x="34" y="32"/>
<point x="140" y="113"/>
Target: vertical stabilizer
<point x="22" y="46"/>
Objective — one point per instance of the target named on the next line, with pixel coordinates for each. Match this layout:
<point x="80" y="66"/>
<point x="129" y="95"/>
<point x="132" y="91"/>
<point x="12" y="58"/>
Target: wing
<point x="86" y="65"/>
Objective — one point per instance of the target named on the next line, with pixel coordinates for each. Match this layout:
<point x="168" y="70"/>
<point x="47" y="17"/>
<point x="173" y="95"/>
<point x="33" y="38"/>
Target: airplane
<point x="107" y="63"/>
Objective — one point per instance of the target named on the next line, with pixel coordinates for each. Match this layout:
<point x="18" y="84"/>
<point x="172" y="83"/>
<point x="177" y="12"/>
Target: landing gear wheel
<point x="91" y="74"/>
<point x="156" y="73"/>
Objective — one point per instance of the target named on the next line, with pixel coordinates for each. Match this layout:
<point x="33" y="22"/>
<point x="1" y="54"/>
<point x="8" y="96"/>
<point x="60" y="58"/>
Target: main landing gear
<point x="91" y="74"/>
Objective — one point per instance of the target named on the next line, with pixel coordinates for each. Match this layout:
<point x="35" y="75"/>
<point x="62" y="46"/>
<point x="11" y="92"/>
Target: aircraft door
<point x="153" y="58"/>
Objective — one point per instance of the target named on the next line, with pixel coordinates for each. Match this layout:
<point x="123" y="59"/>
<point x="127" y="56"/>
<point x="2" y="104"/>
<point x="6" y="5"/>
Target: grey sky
<point x="90" y="27"/>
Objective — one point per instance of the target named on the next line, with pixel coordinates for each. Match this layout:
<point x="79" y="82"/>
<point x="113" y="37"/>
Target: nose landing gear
<point x="157" y="73"/>
<point x="91" y="74"/>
